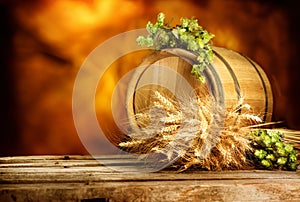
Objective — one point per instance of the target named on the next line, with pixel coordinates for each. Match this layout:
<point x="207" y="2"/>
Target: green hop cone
<point x="266" y="163"/>
<point x="260" y="153"/>
<point x="271" y="152"/>
<point x="266" y="140"/>
<point x="279" y="144"/>
<point x="281" y="160"/>
<point x="192" y="45"/>
<point x="293" y="156"/>
<point x="293" y="166"/>
<point x="288" y="148"/>
<point x="281" y="152"/>
<point x="270" y="157"/>
<point x="275" y="136"/>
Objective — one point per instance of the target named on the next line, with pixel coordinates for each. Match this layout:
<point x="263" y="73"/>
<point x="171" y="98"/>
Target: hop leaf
<point x="188" y="35"/>
<point x="144" y="41"/>
<point x="185" y="22"/>
<point x="196" y="70"/>
<point x="160" y="19"/>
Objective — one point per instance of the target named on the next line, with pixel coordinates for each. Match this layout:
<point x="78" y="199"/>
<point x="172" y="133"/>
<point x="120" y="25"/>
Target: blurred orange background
<point x="44" y="42"/>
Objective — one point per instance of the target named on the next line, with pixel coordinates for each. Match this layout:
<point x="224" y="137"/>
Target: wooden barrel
<point x="232" y="79"/>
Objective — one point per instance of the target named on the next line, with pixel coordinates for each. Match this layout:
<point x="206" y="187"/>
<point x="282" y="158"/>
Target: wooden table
<point x="82" y="178"/>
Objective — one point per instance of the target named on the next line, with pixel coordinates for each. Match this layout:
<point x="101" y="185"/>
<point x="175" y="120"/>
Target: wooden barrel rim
<point x="232" y="71"/>
<point x="190" y="58"/>
<point x="264" y="87"/>
<point x="236" y="82"/>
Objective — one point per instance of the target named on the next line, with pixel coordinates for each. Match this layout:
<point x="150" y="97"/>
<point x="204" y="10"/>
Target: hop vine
<point x="188" y="35"/>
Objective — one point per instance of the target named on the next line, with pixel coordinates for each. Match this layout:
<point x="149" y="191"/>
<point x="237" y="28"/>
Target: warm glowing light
<point x="54" y="37"/>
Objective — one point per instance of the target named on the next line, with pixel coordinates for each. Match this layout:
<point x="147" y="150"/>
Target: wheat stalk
<point x="187" y="131"/>
<point x="190" y="133"/>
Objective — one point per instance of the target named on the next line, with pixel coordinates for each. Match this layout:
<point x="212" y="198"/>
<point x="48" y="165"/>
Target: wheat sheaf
<point x="192" y="132"/>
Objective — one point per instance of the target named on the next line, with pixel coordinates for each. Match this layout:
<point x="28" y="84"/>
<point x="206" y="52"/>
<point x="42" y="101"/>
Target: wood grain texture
<point x="233" y="79"/>
<point x="82" y="178"/>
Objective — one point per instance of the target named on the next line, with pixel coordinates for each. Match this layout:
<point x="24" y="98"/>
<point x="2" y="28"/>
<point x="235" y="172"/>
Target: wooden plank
<point x="79" y="178"/>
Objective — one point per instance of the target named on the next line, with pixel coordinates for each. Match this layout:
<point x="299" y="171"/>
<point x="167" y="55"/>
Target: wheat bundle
<point x="192" y="132"/>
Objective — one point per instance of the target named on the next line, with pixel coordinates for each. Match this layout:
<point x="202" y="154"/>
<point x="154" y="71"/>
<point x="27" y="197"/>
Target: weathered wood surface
<point x="82" y="178"/>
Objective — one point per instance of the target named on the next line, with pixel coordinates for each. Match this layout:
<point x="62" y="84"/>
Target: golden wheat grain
<point x="167" y="104"/>
<point x="173" y="118"/>
<point x="130" y="143"/>
<point x="187" y="132"/>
